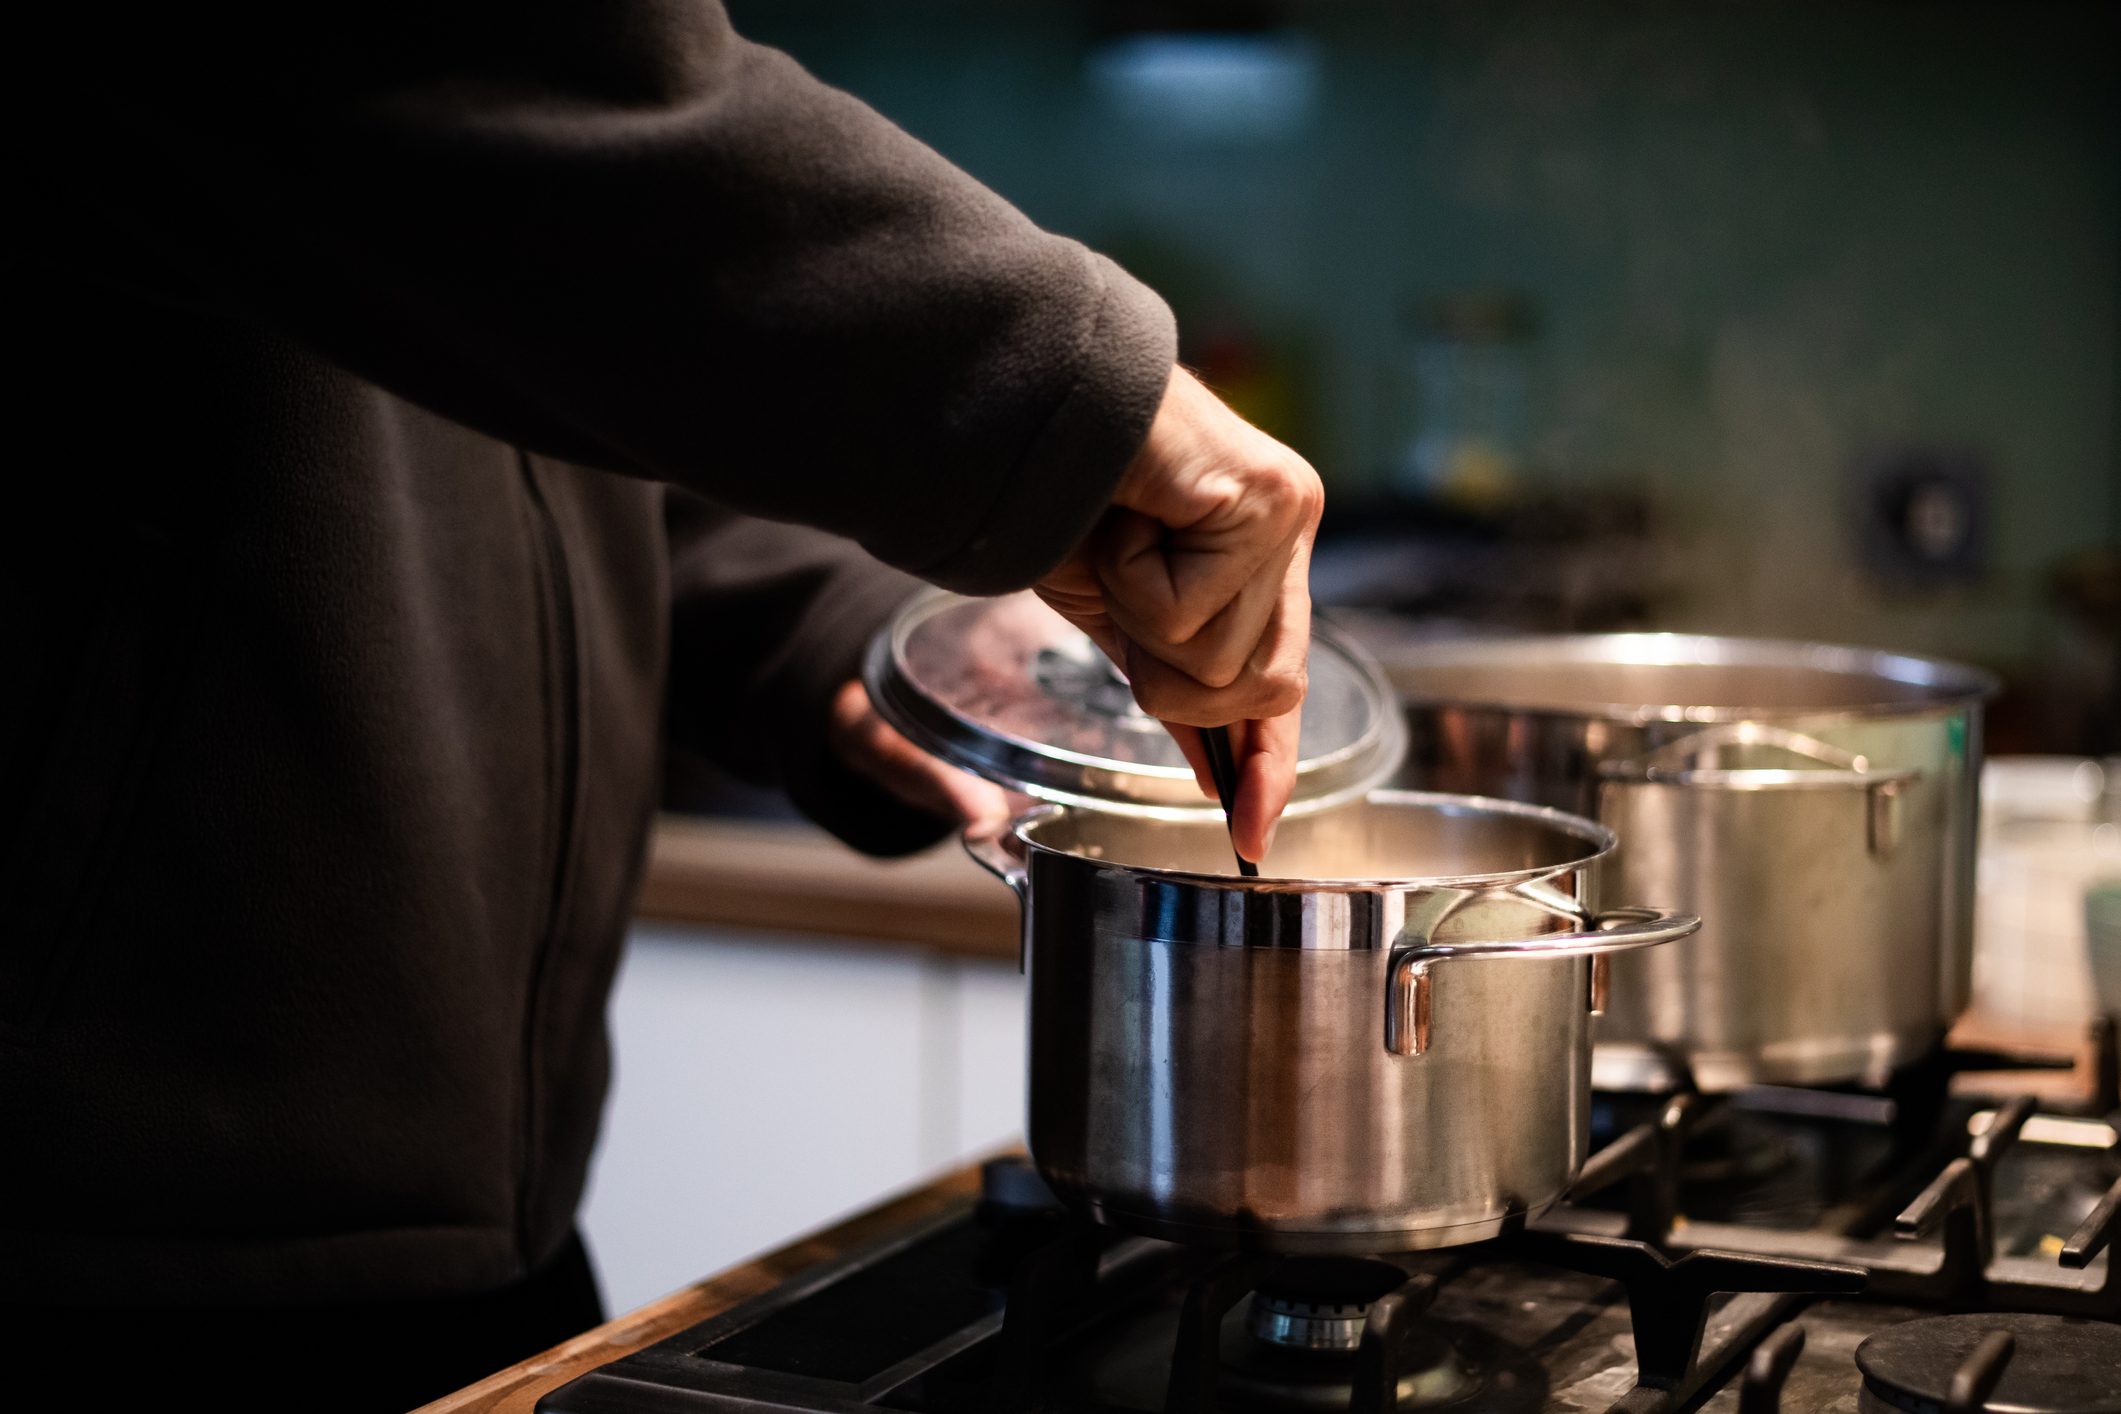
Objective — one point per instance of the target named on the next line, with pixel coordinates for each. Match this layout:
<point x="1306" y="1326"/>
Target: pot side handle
<point x="1690" y="750"/>
<point x="1002" y="856"/>
<point x="1834" y="767"/>
<point x="1409" y="1000"/>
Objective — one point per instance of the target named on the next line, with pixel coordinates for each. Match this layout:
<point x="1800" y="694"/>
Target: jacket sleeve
<point x="614" y="232"/>
<point x="767" y="622"/>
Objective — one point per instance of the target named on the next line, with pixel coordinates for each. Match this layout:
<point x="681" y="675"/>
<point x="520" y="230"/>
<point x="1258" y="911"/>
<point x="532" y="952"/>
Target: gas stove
<point x="1804" y="1251"/>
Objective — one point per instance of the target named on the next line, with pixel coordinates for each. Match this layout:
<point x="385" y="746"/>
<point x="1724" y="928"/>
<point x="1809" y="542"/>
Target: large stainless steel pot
<point x="1383" y="1045"/>
<point x="1814" y="804"/>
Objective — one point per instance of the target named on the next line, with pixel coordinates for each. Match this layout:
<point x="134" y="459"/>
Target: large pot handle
<point x="1002" y="856"/>
<point x="1840" y="763"/>
<point x="1408" y="987"/>
<point x="1837" y="768"/>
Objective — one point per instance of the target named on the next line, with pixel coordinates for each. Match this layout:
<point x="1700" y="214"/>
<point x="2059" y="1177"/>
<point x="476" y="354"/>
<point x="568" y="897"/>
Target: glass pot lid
<point x="1011" y="691"/>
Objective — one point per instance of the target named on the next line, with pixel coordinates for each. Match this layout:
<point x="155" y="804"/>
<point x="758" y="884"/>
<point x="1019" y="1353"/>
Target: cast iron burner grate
<point x="1967" y="1364"/>
<point x="1944" y="1250"/>
<point x="1668" y="1302"/>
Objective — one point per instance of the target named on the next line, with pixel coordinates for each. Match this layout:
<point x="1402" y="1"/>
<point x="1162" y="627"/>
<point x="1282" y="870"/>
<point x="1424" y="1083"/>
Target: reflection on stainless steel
<point x="1836" y="884"/>
<point x="1213" y="1058"/>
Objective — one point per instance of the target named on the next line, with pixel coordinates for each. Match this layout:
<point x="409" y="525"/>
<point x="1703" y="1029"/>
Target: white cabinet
<point x="764" y="1086"/>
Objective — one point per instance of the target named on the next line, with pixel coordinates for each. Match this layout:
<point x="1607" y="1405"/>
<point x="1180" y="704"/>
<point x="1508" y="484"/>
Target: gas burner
<point x="1299" y="1347"/>
<point x="1320" y="1303"/>
<point x="2003" y="1364"/>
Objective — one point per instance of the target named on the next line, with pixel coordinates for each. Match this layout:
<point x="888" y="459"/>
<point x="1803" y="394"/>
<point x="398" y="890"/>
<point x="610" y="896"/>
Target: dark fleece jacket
<point x="419" y="382"/>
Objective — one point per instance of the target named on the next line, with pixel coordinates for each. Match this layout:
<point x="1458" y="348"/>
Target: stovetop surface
<point x="1784" y="1204"/>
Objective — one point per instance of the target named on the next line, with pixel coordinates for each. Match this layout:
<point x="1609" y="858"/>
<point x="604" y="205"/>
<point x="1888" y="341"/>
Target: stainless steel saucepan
<point x="1381" y="1044"/>
<point x="1814" y="804"/>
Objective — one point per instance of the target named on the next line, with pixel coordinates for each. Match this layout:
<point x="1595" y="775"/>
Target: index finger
<point x="1266" y="778"/>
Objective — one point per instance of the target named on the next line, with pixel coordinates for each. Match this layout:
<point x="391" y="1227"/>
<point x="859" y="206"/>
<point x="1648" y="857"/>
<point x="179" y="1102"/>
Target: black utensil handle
<point x="1222" y="766"/>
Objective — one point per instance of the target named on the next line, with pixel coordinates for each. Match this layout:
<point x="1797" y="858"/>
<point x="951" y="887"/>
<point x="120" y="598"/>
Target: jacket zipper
<point x="565" y="683"/>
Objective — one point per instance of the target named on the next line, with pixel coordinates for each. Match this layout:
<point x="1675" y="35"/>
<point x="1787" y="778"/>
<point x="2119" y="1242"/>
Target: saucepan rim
<point x="1600" y="840"/>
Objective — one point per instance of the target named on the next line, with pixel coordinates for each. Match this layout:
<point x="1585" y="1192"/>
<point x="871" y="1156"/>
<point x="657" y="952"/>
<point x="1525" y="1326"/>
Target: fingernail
<point x="1268" y="847"/>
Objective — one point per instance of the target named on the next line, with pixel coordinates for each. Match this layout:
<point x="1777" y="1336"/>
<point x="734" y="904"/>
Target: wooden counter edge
<point x="783" y="877"/>
<point x="516" y="1389"/>
<point x="2076" y="1085"/>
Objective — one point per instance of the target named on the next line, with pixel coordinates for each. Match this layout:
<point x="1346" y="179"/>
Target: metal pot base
<point x="1247" y="1234"/>
<point x="1869" y="1060"/>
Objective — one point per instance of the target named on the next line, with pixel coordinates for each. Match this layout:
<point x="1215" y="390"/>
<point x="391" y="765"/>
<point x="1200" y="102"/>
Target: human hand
<point x="871" y="747"/>
<point x="1196" y="581"/>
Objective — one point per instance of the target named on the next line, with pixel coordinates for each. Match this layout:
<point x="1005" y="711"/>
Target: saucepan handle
<point x="1002" y="856"/>
<point x="1409" y="987"/>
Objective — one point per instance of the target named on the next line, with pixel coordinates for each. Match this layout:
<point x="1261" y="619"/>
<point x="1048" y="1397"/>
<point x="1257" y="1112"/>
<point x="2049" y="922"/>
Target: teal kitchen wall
<point x="1766" y="245"/>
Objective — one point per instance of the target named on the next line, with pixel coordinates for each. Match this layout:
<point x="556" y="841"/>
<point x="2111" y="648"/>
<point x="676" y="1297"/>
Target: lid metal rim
<point x="937" y="729"/>
<point x="1161" y="792"/>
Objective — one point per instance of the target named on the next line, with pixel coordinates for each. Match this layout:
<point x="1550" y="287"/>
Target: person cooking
<point x="460" y="403"/>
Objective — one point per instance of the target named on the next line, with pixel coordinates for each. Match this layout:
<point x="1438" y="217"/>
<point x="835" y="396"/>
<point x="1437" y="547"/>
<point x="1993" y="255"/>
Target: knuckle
<point x="1219" y="669"/>
<point x="1310" y="494"/>
<point x="1156" y="696"/>
<point x="1280" y="692"/>
<point x="1293" y="491"/>
<point x="1149" y="613"/>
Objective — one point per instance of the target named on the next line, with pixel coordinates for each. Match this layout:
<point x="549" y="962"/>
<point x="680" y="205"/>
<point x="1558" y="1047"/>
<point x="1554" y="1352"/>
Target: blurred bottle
<point x="1463" y="402"/>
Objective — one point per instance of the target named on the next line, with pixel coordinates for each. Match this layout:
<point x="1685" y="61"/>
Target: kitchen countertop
<point x="516" y="1390"/>
<point x="784" y="877"/>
